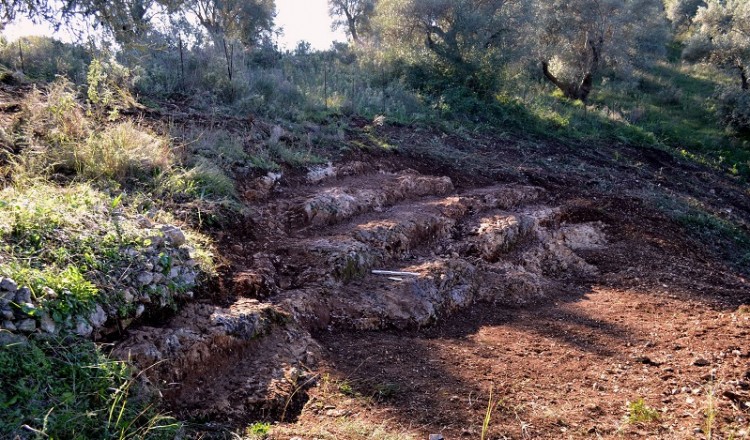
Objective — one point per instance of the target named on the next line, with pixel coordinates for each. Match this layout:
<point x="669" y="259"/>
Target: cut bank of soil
<point x="515" y="292"/>
<point x="564" y="369"/>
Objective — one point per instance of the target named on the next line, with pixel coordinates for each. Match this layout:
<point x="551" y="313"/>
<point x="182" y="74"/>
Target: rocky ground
<point x="584" y="315"/>
<point x="578" y="291"/>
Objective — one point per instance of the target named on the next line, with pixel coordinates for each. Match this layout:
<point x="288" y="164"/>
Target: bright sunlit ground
<point x="306" y="20"/>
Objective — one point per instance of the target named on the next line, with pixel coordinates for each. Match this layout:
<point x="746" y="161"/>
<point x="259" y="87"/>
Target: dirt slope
<point x="561" y="288"/>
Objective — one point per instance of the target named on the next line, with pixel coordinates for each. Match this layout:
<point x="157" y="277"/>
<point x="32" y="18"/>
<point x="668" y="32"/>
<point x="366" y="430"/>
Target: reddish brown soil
<point x="666" y="321"/>
<point x="568" y="367"/>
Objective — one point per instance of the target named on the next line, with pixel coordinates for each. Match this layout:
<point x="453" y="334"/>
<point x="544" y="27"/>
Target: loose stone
<point x="27" y="326"/>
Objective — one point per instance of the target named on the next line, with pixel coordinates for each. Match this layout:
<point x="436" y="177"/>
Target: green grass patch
<point x="293" y="156"/>
<point x="639" y="412"/>
<point x="70" y="389"/>
<point x="258" y="431"/>
<point x="45" y="225"/>
<point x="83" y="244"/>
<point x="77" y="295"/>
<point x="204" y="180"/>
<point x="719" y="234"/>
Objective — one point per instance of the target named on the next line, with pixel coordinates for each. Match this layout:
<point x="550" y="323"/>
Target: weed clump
<point x="120" y="152"/>
<point x="205" y="179"/>
<point x="62" y="140"/>
<point x="70" y="389"/>
<point x="639" y="412"/>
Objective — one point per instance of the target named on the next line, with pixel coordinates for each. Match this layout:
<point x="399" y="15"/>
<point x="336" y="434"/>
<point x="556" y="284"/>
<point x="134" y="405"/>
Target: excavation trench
<point x="311" y="270"/>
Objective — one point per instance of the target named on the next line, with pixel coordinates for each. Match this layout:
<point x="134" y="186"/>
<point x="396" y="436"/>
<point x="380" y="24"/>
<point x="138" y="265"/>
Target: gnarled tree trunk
<point x="582" y="89"/>
<point x="574" y="91"/>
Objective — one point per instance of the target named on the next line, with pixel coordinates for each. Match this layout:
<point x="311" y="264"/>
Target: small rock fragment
<point x="158" y="278"/>
<point x="700" y="362"/>
<point x="8" y="285"/>
<point x="145" y="278"/>
<point x="143" y="222"/>
<point x="49" y="293"/>
<point x="83" y="328"/>
<point x="27" y="326"/>
<point x="174" y="272"/>
<point x="23" y="295"/>
<point x="48" y="325"/>
<point x="174" y="235"/>
<point x="98" y="317"/>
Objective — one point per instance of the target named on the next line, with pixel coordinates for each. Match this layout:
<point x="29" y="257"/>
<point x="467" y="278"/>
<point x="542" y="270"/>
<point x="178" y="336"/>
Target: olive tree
<point x="125" y="20"/>
<point x="466" y="39"/>
<point x="681" y="13"/>
<point x="353" y="15"/>
<point x="576" y="40"/>
<point x="243" y="20"/>
<point x="10" y="9"/>
<point x="723" y="37"/>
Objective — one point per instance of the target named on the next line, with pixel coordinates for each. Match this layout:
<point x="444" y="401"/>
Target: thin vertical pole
<point x="325" y="83"/>
<point x="182" y="65"/>
<point x="20" y="55"/>
<point x="382" y="72"/>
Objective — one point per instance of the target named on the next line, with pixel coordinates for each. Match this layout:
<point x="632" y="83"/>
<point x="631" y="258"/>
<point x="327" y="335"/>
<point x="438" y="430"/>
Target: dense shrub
<point x="733" y="109"/>
<point x="61" y="138"/>
<point x="44" y="58"/>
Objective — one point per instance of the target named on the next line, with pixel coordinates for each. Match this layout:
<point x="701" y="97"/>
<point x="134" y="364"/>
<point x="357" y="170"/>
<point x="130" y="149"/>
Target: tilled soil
<point x="575" y="315"/>
<point x="661" y="323"/>
<point x="561" y="370"/>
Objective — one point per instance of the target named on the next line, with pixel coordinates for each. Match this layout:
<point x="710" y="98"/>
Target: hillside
<point x="472" y="219"/>
<point x="579" y="289"/>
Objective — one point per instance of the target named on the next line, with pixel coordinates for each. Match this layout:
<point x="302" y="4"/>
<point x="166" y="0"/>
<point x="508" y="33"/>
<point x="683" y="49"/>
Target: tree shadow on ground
<point x="549" y="359"/>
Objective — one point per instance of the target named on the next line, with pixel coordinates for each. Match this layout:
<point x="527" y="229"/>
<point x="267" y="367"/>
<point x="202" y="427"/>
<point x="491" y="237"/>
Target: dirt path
<point x="567" y="307"/>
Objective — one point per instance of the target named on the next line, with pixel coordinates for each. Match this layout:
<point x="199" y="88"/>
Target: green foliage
<point x="55" y="119"/>
<point x="733" y="109"/>
<point x="44" y="58"/>
<point x="578" y="40"/>
<point x="32" y="219"/>
<point x="294" y="156"/>
<point x="108" y="89"/>
<point x="77" y="295"/>
<point x="120" y="152"/>
<point x="667" y="105"/>
<point x="682" y="12"/>
<point x="69" y="389"/>
<point x="258" y="430"/>
<point x="204" y="180"/>
<point x="63" y="140"/>
<point x="220" y="146"/>
<point x="723" y="37"/>
<point x="242" y="20"/>
<point x="639" y="412"/>
<point x="459" y="40"/>
<point x="386" y="390"/>
<point x="72" y="240"/>
<point x="725" y="237"/>
<point x="346" y="388"/>
<point x="352" y="15"/>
